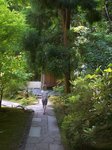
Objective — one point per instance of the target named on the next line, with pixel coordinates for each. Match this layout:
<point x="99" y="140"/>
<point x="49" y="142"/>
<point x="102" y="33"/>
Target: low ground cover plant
<point x="13" y="125"/>
<point x="23" y="98"/>
<point x="27" y="101"/>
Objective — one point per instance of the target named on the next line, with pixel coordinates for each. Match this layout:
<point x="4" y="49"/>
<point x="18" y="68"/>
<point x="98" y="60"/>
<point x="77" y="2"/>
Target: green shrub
<point x="59" y="107"/>
<point x="59" y="88"/>
<point x="87" y="112"/>
<point x="76" y="131"/>
<point x="28" y="101"/>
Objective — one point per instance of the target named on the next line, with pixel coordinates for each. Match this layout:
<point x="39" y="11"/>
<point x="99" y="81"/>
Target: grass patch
<point x="13" y="123"/>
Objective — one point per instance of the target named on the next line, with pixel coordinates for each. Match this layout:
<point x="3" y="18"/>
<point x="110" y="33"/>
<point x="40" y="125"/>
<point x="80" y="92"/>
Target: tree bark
<point x="66" y="13"/>
<point x="108" y="15"/>
<point x="67" y="80"/>
<point x="1" y="95"/>
<point x="106" y="11"/>
<point x="0" y="104"/>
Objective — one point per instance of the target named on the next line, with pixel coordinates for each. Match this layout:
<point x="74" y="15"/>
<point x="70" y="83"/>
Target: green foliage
<point x="13" y="70"/>
<point x="59" y="89"/>
<point x="88" y="111"/>
<point x="29" y="101"/>
<point x="59" y="105"/>
<point x="43" y="23"/>
<point x="13" y="64"/>
<point x="99" y="52"/>
<point x="17" y="5"/>
<point x="94" y="48"/>
<point x="56" y="55"/>
<point x="31" y="46"/>
<point x="56" y="59"/>
<point x="12" y="26"/>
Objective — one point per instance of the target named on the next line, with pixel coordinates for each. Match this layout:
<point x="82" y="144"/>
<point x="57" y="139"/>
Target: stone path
<point x="9" y="104"/>
<point x="44" y="132"/>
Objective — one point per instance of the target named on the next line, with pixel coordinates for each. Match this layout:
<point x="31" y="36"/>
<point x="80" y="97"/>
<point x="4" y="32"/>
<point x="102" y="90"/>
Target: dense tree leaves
<point x="12" y="62"/>
<point x="17" y="5"/>
<point x="64" y="9"/>
<point x="94" y="47"/>
<point x="88" y="122"/>
<point x="12" y="26"/>
<point x="13" y="69"/>
<point x="31" y="45"/>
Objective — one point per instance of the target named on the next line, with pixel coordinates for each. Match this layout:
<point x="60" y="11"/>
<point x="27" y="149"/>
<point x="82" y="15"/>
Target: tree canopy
<point x="13" y="64"/>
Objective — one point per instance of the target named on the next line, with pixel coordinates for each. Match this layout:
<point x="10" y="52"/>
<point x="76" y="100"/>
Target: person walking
<point x="44" y="100"/>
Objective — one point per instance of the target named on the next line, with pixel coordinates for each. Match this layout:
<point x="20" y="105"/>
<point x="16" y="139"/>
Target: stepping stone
<point x="30" y="147"/>
<point x="35" y="131"/>
<point x="42" y="146"/>
<point x="56" y="147"/>
<point x="36" y="119"/>
<point x="52" y="124"/>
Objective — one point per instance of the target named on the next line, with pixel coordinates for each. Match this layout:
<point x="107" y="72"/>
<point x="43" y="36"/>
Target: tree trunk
<point x="67" y="82"/>
<point x="66" y="13"/>
<point x="108" y="15"/>
<point x="0" y="103"/>
<point x="1" y="95"/>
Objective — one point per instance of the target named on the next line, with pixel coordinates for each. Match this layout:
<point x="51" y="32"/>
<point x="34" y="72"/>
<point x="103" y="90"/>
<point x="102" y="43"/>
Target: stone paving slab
<point x="44" y="132"/>
<point x="38" y="146"/>
<point x="52" y="124"/>
<point x="36" y="119"/>
<point x="32" y="140"/>
<point x="30" y="146"/>
<point x="36" y="124"/>
<point x="35" y="131"/>
<point x="42" y="146"/>
<point x="56" y="147"/>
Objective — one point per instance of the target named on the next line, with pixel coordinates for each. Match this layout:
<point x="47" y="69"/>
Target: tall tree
<point x="65" y="9"/>
<point x="12" y="64"/>
<point x="39" y="22"/>
<point x="31" y="43"/>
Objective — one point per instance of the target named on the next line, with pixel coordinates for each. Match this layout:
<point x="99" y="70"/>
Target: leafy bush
<point x="87" y="112"/>
<point x="28" y="101"/>
<point x="59" y="107"/>
<point x="59" y="89"/>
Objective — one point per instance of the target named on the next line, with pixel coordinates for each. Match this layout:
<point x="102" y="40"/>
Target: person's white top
<point x="44" y="95"/>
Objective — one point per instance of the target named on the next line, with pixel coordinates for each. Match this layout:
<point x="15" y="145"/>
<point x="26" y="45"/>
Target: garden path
<point x="44" y="133"/>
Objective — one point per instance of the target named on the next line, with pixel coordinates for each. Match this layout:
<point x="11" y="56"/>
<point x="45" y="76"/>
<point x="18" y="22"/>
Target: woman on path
<point x="44" y="100"/>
